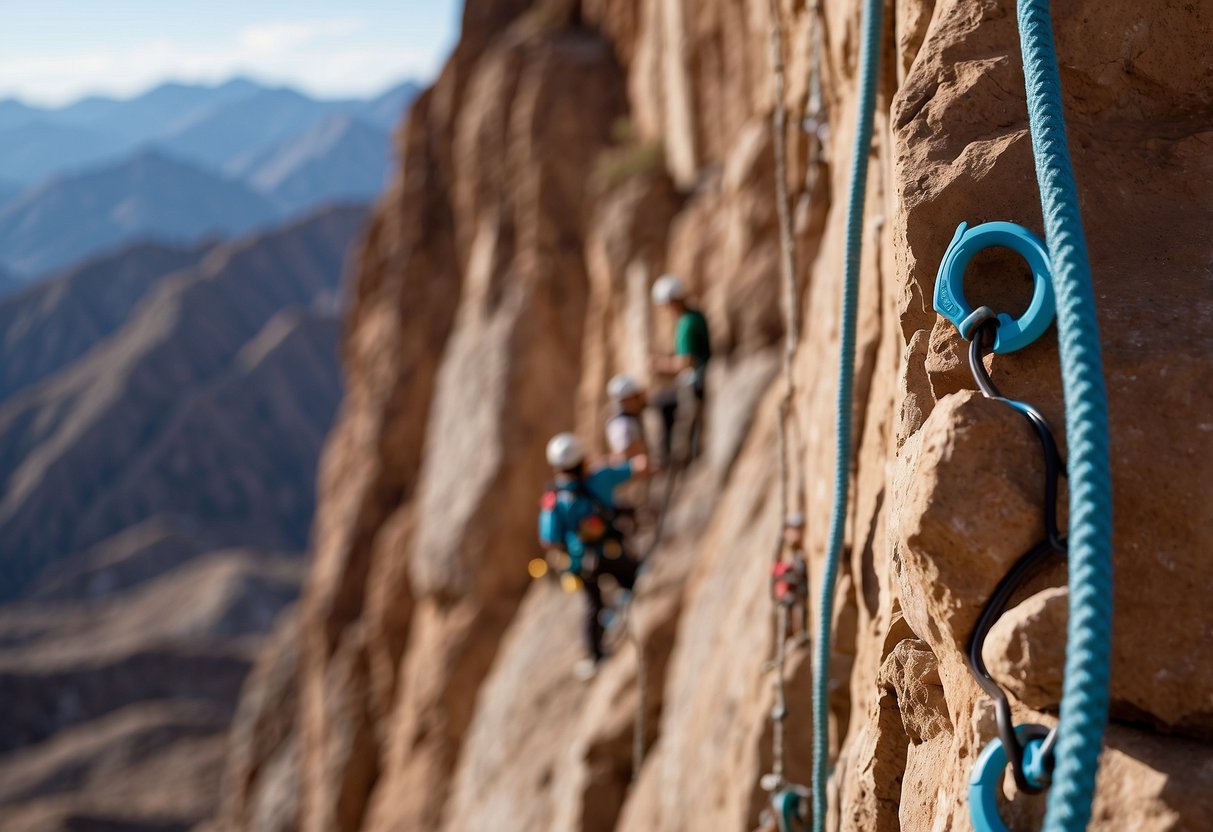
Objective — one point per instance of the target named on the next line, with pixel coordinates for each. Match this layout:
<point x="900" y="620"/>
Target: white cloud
<point x="276" y="37"/>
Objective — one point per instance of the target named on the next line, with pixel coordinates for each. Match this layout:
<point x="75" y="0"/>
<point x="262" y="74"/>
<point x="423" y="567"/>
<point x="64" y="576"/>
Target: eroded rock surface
<point x="570" y="153"/>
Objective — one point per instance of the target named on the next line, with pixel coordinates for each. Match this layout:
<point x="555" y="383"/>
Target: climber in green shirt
<point x="687" y="365"/>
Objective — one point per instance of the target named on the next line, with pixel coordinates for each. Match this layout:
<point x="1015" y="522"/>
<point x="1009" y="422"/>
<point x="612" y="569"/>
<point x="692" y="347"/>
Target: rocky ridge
<point x="569" y="153"/>
<point x="161" y="416"/>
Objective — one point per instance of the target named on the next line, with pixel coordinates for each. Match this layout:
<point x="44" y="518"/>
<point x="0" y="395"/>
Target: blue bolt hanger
<point x="1013" y="333"/>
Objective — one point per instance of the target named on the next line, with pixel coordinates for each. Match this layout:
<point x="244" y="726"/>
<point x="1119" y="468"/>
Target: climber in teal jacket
<point x="577" y="527"/>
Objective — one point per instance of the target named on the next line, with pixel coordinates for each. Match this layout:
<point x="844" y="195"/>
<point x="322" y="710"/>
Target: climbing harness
<point x="1070" y="753"/>
<point x="598" y="531"/>
<point x="869" y="60"/>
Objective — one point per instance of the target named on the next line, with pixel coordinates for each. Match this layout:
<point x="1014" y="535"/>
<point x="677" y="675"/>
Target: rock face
<point x="569" y="153"/>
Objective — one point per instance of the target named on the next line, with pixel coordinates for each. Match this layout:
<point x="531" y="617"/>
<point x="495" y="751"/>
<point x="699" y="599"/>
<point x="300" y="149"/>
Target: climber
<point x="577" y="527"/>
<point x="625" y="429"/>
<point x="687" y="365"/>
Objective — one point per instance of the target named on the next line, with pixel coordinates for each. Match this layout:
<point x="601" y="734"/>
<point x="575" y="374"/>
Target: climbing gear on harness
<point x="565" y="451"/>
<point x="1084" y="704"/>
<point x="1013" y="333"/>
<point x="869" y="60"/>
<point x="598" y="528"/>
<point x="1012" y="747"/>
<point x="668" y="287"/>
<point x="623" y="387"/>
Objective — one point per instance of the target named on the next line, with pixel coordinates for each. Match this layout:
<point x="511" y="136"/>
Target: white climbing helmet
<point x="622" y="387"/>
<point x="668" y="287"/>
<point x="565" y="451"/>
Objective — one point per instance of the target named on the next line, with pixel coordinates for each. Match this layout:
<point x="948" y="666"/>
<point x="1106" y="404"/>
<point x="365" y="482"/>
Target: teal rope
<point x="1084" y="705"/>
<point x="869" y="60"/>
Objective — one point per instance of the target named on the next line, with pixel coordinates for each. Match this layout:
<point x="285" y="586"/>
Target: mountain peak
<point x="241" y="83"/>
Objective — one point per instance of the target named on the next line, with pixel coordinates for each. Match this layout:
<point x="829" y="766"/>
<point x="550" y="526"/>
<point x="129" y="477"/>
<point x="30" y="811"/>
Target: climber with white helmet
<point x="577" y="527"/>
<point x="625" y="428"/>
<point x="687" y="364"/>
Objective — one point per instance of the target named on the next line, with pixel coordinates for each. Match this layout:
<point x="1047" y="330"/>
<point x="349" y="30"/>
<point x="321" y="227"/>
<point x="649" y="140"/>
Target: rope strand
<point x="791" y="338"/>
<point x="1084" y="705"/>
<point x="642" y="695"/>
<point x="869" y="61"/>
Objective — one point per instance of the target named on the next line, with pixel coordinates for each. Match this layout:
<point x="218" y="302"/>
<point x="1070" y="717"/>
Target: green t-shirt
<point x="691" y="338"/>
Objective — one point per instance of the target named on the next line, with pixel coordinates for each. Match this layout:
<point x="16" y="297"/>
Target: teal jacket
<point x="568" y="510"/>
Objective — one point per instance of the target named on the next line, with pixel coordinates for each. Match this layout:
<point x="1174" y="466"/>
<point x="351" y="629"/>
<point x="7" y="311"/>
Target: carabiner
<point x="986" y="780"/>
<point x="1013" y="333"/>
<point x="1030" y="763"/>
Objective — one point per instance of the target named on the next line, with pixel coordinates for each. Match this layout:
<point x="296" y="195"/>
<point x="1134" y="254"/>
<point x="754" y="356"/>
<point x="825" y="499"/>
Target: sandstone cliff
<point x="569" y="152"/>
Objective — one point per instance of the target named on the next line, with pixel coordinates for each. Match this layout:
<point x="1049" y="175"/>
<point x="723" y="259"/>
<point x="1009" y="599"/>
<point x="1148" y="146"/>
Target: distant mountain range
<point x="148" y="197"/>
<point x="57" y="321"/>
<point x="162" y="412"/>
<point x="328" y="158"/>
<point x="178" y="163"/>
<point x="210" y="401"/>
<point x="34" y="151"/>
<point x="254" y="122"/>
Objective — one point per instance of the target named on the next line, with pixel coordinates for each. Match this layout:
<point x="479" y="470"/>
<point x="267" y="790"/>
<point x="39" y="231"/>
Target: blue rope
<point x="1084" y="705"/>
<point x="869" y="60"/>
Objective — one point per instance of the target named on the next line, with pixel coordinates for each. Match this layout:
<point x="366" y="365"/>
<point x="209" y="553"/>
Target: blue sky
<point x="52" y="51"/>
